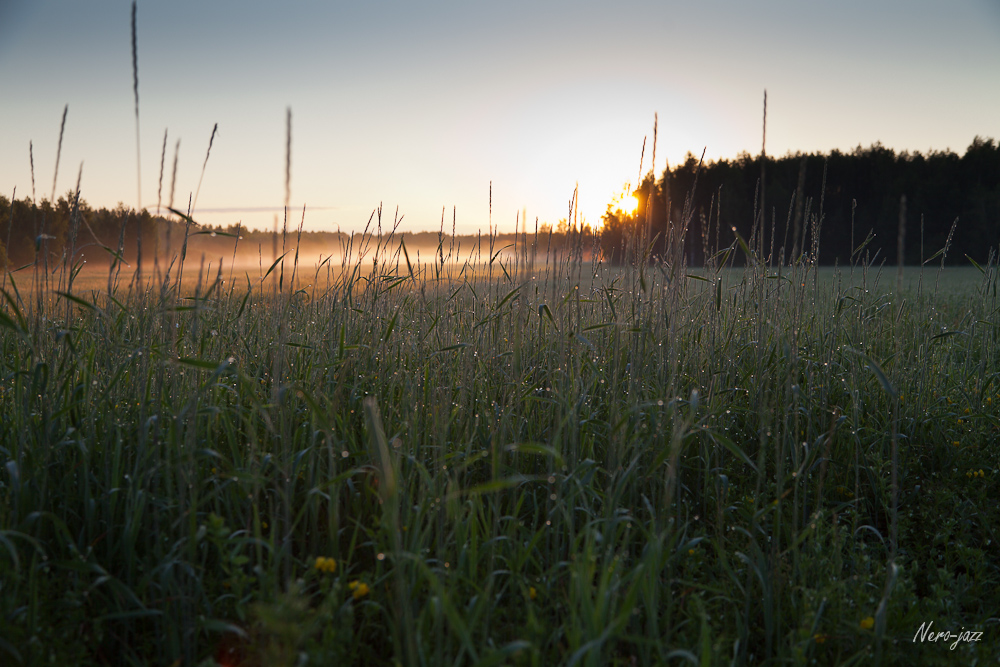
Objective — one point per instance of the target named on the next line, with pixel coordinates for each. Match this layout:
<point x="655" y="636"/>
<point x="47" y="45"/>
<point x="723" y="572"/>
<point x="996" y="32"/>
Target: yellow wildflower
<point x="324" y="564"/>
<point x="532" y="593"/>
<point x="360" y="589"/>
<point x="820" y="638"/>
<point x="867" y="623"/>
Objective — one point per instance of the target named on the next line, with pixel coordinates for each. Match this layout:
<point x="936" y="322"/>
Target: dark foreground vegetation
<point x="533" y="460"/>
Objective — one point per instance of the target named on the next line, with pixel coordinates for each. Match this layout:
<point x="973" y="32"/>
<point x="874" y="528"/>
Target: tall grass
<point x="517" y="458"/>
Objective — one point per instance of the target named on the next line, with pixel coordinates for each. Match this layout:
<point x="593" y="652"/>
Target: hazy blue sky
<point x="421" y="104"/>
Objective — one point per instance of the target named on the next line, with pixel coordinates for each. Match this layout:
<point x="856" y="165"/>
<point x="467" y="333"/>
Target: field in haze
<point x="668" y="436"/>
<point x="523" y="459"/>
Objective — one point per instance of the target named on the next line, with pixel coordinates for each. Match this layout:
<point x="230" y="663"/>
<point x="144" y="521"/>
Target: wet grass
<point x="523" y="460"/>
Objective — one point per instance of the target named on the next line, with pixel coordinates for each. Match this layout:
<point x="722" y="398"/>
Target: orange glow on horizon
<point x="625" y="201"/>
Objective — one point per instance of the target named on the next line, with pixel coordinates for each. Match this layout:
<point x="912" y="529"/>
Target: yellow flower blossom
<point x="867" y="623"/>
<point x="324" y="564"/>
<point x="820" y="638"/>
<point x="360" y="589"/>
<point x="532" y="593"/>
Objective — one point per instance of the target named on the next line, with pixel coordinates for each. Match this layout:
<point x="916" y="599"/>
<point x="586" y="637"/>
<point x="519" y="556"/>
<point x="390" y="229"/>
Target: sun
<point x="625" y="201"/>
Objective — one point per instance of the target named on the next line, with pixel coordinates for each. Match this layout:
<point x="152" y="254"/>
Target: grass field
<point x="530" y="461"/>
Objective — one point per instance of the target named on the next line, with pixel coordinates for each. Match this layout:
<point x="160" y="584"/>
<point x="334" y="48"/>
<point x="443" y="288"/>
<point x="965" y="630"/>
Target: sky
<point x="425" y="108"/>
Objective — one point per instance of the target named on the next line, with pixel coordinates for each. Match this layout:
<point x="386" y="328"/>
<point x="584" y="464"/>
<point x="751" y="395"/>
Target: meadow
<point x="528" y="459"/>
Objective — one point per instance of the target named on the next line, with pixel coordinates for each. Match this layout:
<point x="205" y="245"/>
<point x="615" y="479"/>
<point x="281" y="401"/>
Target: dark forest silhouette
<point x="819" y="206"/>
<point x="825" y="203"/>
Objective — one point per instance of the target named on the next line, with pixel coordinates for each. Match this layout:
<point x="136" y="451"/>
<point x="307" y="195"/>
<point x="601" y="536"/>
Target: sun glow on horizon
<point x="625" y="201"/>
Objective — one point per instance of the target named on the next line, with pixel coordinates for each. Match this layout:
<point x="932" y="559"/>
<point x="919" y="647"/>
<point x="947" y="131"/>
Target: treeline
<point x="71" y="231"/>
<point x="821" y="207"/>
<point x="824" y="205"/>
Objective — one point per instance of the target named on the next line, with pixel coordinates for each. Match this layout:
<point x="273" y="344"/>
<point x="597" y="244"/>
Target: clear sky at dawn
<point x="420" y="105"/>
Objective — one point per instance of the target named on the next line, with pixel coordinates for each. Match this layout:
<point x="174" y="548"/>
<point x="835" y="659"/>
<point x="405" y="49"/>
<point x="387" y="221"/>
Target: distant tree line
<point x="70" y="229"/>
<point x="820" y="206"/>
<point x="46" y="230"/>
